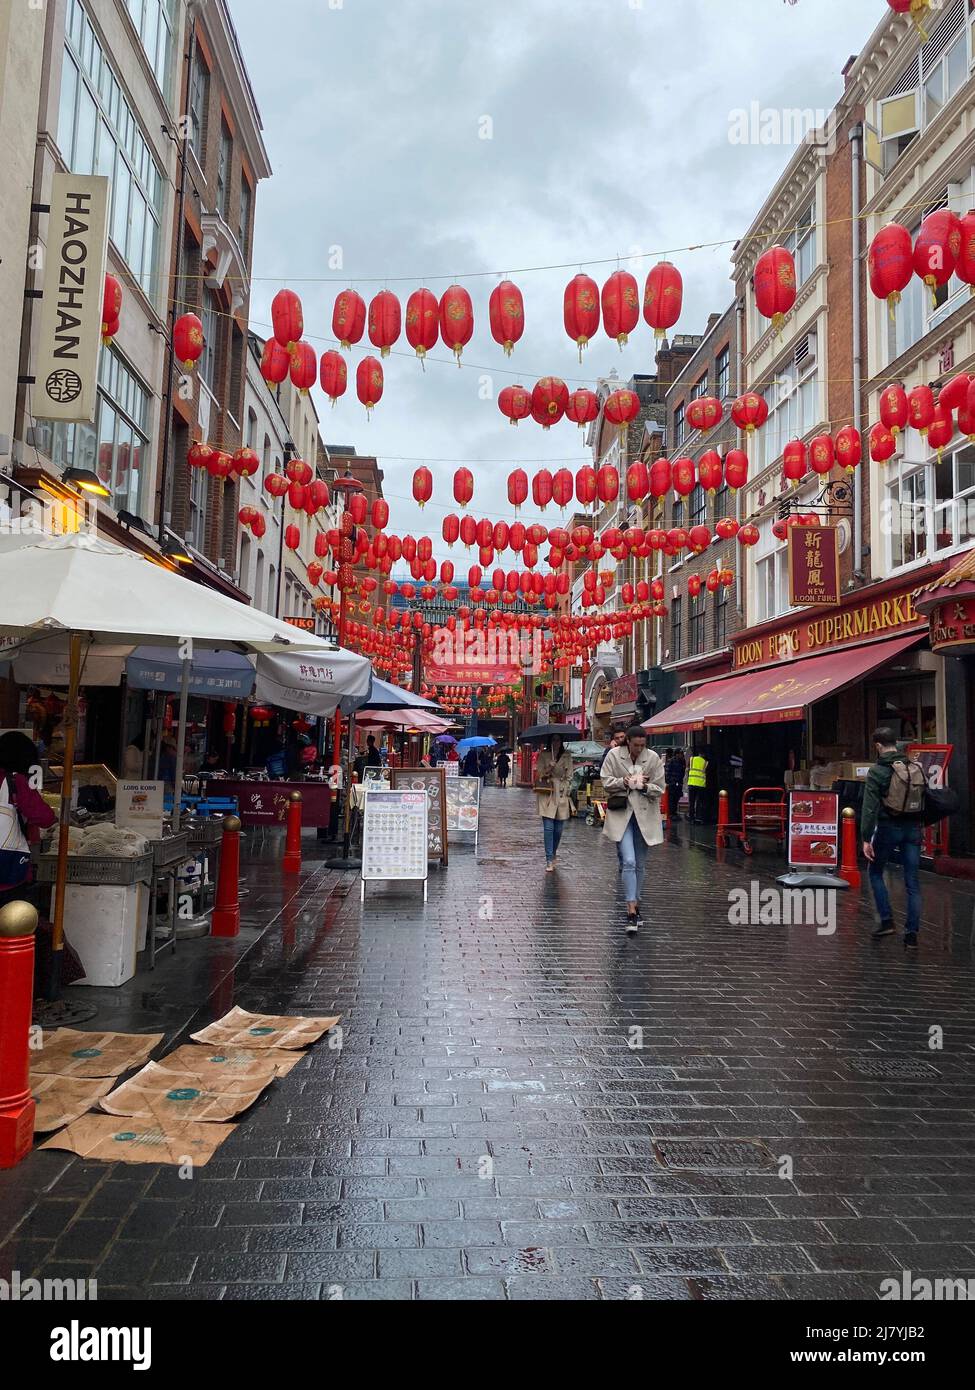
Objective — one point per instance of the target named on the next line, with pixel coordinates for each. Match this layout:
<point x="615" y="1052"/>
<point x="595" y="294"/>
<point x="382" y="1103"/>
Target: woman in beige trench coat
<point x="555" y="766"/>
<point x="636" y="772"/>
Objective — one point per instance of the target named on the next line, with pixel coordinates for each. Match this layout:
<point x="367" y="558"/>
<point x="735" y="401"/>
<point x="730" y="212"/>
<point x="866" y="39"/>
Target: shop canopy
<point x="777" y="693"/>
<point x="386" y="696"/>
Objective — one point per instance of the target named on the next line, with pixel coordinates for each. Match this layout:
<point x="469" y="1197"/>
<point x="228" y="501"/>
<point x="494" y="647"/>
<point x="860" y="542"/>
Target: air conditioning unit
<point x="804" y="355"/>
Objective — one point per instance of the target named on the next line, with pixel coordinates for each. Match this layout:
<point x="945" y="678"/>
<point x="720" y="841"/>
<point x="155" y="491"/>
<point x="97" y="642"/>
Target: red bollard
<point x="292" y="847"/>
<point x="226" y="908"/>
<point x="848" y="848"/>
<point x="665" y="809"/>
<point x="18" y="922"/>
<point x="719" y="840"/>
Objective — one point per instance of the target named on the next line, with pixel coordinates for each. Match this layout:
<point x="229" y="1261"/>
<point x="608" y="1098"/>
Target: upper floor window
<point x="98" y="134"/>
<point x="211" y="333"/>
<point x="721" y="617"/>
<point x="223" y="173"/>
<point x="698" y="506"/>
<point x="801" y="241"/>
<point x="698" y="612"/>
<point x="117" y="447"/>
<point x="928" y="508"/>
<point x="920" y="312"/>
<point x="675" y="628"/>
<point x="700" y="388"/>
<point x="793" y="401"/>
<point x="154" y="21"/>
<point x="723" y="370"/>
<point x="678" y="426"/>
<point x="199" y="101"/>
<point x="921" y="92"/>
<point x="244" y="219"/>
<point x="721" y="503"/>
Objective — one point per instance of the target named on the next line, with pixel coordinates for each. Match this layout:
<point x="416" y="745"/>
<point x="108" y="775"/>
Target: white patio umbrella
<point x="97" y="594"/>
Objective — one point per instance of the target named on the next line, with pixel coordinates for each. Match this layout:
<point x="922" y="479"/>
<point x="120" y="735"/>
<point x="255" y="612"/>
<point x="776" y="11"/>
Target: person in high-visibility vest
<point x="697" y="778"/>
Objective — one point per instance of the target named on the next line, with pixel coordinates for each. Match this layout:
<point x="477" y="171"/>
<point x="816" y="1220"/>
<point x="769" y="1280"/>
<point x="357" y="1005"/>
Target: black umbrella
<point x="538" y="733"/>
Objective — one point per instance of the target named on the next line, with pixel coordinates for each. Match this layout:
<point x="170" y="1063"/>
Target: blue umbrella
<point x="476" y="742"/>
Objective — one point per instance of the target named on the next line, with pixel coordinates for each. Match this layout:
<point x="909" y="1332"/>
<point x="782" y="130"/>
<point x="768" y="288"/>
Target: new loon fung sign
<point x="66" y="363"/>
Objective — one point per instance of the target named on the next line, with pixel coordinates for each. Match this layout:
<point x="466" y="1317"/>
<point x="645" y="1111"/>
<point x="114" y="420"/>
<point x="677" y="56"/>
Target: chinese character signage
<point x="813" y="829"/>
<point x="814" y="565"/>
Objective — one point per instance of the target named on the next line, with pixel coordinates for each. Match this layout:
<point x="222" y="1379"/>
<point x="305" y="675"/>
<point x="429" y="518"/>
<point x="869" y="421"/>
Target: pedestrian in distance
<point x="890" y="829"/>
<point x="633" y="777"/>
<point x="553" y="776"/>
<point x="23" y="814"/>
<point x="504" y="768"/>
<point x="675" y="769"/>
<point x="697" y="781"/>
<point x="470" y="766"/>
<point x="617" y="739"/>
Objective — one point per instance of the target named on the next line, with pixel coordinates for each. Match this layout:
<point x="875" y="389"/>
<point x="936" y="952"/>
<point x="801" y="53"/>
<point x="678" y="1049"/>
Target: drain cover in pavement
<point x="717" y="1154"/>
<point x="894" y="1068"/>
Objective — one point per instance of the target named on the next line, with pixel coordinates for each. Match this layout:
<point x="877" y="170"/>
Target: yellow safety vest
<point x="696" y="772"/>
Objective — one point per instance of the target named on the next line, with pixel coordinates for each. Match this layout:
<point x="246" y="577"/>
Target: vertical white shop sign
<point x="66" y="364"/>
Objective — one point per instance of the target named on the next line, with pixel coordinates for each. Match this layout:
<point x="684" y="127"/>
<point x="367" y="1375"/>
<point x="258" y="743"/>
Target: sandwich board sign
<point x="394" y="837"/>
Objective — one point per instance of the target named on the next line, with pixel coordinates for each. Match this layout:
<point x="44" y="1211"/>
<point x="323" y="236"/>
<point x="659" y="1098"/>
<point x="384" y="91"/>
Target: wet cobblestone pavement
<point x="493" y="1128"/>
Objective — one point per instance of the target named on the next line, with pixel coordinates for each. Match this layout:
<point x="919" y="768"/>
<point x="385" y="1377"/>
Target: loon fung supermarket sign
<point x="66" y="362"/>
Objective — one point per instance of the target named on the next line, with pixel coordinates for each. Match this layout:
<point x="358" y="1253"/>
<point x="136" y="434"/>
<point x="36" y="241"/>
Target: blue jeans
<point x="553" y="834"/>
<point x="890" y="837"/>
<point x="632" y="852"/>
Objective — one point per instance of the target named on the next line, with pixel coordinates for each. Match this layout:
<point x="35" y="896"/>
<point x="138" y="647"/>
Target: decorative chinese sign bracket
<point x="835" y="501"/>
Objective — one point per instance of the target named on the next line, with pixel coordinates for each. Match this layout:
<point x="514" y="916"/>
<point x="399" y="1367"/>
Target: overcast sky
<point x="609" y="124"/>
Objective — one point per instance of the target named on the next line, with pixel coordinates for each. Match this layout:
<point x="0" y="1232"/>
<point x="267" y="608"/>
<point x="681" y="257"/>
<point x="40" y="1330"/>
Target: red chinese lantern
<point x="517" y="533"/>
<point x="736" y="468"/>
<point x="607" y="483"/>
<point x="515" y="403"/>
<point x="450" y="529"/>
<point x="920" y="404"/>
<point x="111" y="308"/>
<point x="549" y="398"/>
<point x="562" y="487"/>
<point x="621" y="306"/>
<point x="422" y="485"/>
<point x="657" y="590"/>
<point x="586" y="485"/>
<point x="621" y="408"/>
<point x="468" y="531"/>
<point x="637" y="481"/>
<point x="941" y="430"/>
<point x="299" y="471"/>
<point x="296" y="496"/>
<point x="694" y="585"/>
<point x="750" y="411"/>
<point x="517" y="487"/>
<point x="314" y="572"/>
<point x="369" y="382"/>
<point x="583" y="406"/>
<point x="247" y="515"/>
<point x="333" y="374"/>
<point x="304" y="367"/>
<point x="258" y="526"/>
<point x="507" y="311"/>
<point x="936" y="248"/>
<point x="710" y="471"/>
<point x="775" y="284"/>
<point x="542" y="488"/>
<point x="780" y="528"/>
<point x="704" y="413"/>
<point x="699" y="538"/>
<point x="463" y="488"/>
<point x="219" y="464"/>
<point x="727" y="528"/>
<point x="188" y="340"/>
<point x="683" y="476"/>
<point x="380" y="513"/>
<point x="965" y="266"/>
<point x="246" y="462"/>
<point x="199" y="456"/>
<point x="849" y="447"/>
<point x="275" y="361"/>
<point x="660" y="475"/>
<point x="422" y="322"/>
<point x="794" y="461"/>
<point x="292" y="537"/>
<point x="954" y="394"/>
<point x="713" y="581"/>
<point x="883" y="445"/>
<point x="894" y="409"/>
<point x="349" y="318"/>
<point x="358" y="508"/>
<point x="890" y="262"/>
<point x="663" y="295"/>
<point x="276" y="484"/>
<point x="748" y="535"/>
<point x="580" y="310"/>
<point x="287" y="319"/>
<point x="966" y="416"/>
<point x="822" y="454"/>
<point x="456" y="319"/>
<point x="384" y="321"/>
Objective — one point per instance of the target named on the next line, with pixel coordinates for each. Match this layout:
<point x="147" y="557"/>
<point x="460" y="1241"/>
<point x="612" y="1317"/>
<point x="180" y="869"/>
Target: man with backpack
<point x="890" y="824"/>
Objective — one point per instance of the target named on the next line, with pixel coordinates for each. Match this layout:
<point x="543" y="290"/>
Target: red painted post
<point x="665" y="809"/>
<point x="292" y="847"/>
<point x="848" y="848"/>
<point x="18" y="922"/>
<point x="226" y="908"/>
<point x="722" y="819"/>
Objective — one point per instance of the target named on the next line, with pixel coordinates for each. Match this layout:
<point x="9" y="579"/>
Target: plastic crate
<point x="96" y="869"/>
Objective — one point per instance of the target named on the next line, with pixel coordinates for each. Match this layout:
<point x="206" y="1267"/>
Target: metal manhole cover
<point x="895" y="1068"/>
<point x="717" y="1154"/>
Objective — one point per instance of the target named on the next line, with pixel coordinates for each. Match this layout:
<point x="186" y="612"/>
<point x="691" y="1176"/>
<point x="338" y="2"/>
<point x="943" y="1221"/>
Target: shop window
<point x="117" y="446"/>
<point x="909" y="708"/>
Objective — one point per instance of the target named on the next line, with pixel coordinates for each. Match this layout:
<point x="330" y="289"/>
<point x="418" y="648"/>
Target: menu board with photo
<point x="394" y="835"/>
<point x="813" y="829"/>
<point x="139" y="806"/>
<point x="452" y="769"/>
<point x="463" y="808"/>
<point x="375" y="776"/>
<point x="432" y="781"/>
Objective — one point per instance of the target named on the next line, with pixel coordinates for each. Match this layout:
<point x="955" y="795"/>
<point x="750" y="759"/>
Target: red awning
<point x="776" y="693"/>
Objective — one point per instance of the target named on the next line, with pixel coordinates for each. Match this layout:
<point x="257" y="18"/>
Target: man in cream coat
<point x="633" y="778"/>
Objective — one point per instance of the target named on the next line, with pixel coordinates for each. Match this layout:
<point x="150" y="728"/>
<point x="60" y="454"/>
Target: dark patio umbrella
<point x="538" y="733"/>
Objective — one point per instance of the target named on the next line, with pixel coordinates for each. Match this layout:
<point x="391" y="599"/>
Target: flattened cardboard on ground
<point x="242" y="1029"/>
<point x="140" y="1141"/>
<point x="68" y="1052"/>
<point x="241" y="1062"/>
<point x="170" y="1097"/>
<point x="61" y="1099"/>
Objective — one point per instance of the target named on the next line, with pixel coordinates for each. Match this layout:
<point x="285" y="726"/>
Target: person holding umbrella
<point x="553" y="776"/>
<point x="633" y="777"/>
<point x="504" y="768"/>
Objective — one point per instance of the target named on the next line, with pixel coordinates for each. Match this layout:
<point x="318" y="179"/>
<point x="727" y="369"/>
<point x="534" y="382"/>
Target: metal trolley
<point x="763" y="812"/>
